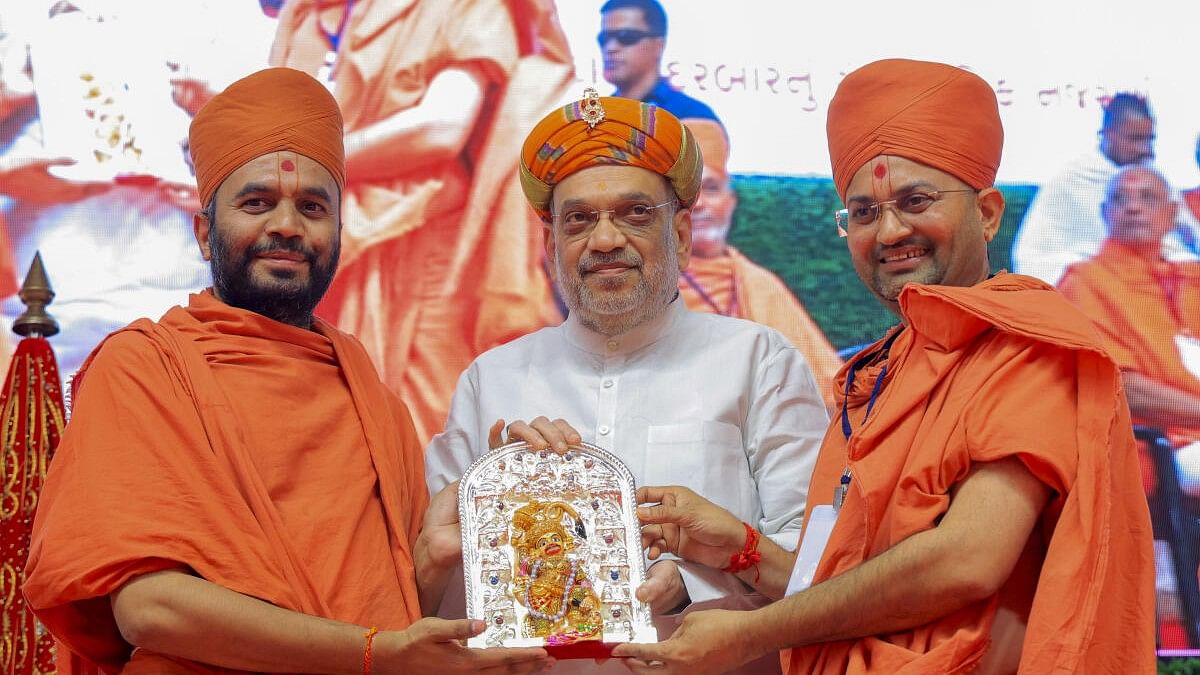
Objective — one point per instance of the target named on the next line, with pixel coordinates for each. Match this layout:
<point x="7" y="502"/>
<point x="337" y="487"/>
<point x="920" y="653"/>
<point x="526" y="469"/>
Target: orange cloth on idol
<point x="443" y="261"/>
<point x="271" y="110"/>
<point x="176" y="457"/>
<point x="931" y="113"/>
<point x="1130" y="300"/>
<point x="1004" y="368"/>
<point x="734" y="285"/>
<point x="631" y="133"/>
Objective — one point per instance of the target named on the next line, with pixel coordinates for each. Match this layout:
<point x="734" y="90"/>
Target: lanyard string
<point x="335" y="39"/>
<point x="733" y="294"/>
<point x="847" y="429"/>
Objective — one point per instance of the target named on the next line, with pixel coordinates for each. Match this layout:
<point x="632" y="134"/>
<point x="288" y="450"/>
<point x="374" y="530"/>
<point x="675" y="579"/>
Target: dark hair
<point x="1124" y="106"/>
<point x="652" y="13"/>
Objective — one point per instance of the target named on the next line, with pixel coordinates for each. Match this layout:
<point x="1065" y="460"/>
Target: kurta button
<point x="608" y="383"/>
<point x="603" y="430"/>
<point x="612" y="344"/>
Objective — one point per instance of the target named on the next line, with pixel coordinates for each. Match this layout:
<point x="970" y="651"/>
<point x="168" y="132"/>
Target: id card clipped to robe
<point x="552" y="551"/>
<point x="816" y="538"/>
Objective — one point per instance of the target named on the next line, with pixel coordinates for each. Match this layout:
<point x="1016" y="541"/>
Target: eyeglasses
<point x="913" y="203"/>
<point x="579" y="220"/>
<point x="626" y="37"/>
<point x="1146" y="198"/>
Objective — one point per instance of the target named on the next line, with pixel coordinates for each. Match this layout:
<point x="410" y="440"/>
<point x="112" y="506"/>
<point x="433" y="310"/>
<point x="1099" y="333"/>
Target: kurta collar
<point x="631" y="341"/>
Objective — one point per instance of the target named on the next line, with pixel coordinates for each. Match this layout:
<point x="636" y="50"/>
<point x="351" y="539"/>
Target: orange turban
<point x="937" y="115"/>
<point x="713" y="142"/>
<point x="271" y="110"/>
<point x="620" y="131"/>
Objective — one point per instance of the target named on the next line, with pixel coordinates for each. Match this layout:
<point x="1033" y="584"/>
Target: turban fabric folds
<point x="631" y="133"/>
<point x="934" y="114"/>
<point x="713" y="142"/>
<point x="271" y="110"/>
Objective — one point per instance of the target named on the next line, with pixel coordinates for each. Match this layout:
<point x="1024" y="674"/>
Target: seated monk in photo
<point x="1147" y="311"/>
<point x="719" y="279"/>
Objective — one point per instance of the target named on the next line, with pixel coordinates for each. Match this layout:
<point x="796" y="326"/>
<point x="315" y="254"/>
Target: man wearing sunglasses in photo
<point x="632" y="36"/>
<point x="977" y="504"/>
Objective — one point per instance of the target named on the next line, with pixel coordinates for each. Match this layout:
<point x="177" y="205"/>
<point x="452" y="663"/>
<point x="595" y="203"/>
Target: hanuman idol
<point x="554" y="589"/>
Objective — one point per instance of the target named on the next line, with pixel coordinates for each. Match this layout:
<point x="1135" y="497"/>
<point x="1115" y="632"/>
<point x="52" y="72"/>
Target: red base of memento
<point x="587" y="649"/>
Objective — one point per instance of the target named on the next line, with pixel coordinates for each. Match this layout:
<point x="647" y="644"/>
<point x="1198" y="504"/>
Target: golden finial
<point x="36" y="294"/>
<point x="593" y="112"/>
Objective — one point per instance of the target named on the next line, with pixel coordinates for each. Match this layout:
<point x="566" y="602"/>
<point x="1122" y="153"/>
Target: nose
<point x="285" y="221"/>
<point x="891" y="227"/>
<point x="606" y="236"/>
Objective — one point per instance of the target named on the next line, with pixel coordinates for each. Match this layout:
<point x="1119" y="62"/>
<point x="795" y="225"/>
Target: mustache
<point x="920" y="242"/>
<point x="591" y="261"/>
<point x="289" y="245"/>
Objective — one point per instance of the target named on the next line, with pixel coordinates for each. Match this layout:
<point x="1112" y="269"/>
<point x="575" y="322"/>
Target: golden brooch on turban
<point x="593" y="112"/>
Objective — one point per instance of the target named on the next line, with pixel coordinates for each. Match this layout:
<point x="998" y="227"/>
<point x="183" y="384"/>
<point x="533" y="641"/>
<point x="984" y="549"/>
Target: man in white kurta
<point x="1063" y="225"/>
<point x="724" y="406"/>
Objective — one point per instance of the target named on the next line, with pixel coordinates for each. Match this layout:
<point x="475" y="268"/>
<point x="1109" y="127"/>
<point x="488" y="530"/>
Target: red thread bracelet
<point x="748" y="557"/>
<point x="370" y="636"/>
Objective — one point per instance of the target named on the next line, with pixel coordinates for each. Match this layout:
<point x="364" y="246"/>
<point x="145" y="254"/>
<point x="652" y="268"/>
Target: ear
<point x="548" y="247"/>
<point x="682" y="222"/>
<point x="990" y="204"/>
<point x="201" y="229"/>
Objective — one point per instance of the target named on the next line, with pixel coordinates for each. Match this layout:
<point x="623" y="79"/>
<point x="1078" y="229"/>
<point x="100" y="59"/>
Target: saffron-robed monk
<point x="979" y="479"/>
<point x="237" y="490"/>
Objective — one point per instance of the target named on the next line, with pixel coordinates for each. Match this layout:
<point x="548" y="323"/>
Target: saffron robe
<point x="1130" y="300"/>
<point x="1006" y="368"/>
<point x="444" y="261"/>
<point x="262" y="457"/>
<point x="762" y="298"/>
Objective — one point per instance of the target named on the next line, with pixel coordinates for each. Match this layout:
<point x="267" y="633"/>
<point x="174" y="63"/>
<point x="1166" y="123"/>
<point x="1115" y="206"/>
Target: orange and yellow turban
<point x="934" y="114"/>
<point x="271" y="110"/>
<point x="631" y="133"/>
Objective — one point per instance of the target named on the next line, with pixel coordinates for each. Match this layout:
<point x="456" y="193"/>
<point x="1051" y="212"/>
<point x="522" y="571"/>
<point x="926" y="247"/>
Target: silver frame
<point x="638" y="627"/>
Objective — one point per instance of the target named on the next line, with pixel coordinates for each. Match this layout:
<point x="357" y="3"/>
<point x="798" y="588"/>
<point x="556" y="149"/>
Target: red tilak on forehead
<point x="287" y="165"/>
<point x="880" y="170"/>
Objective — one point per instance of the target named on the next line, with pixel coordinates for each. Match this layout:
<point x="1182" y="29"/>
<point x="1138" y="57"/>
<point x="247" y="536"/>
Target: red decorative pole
<point x="31" y="421"/>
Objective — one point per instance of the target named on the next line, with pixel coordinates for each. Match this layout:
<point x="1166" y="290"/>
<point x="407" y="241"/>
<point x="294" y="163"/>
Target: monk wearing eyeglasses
<point x="976" y="505"/>
<point x="1146" y="310"/>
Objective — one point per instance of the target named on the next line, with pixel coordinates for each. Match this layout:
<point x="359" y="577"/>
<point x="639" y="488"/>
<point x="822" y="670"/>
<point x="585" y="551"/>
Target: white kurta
<point x="1063" y="225"/>
<point x="726" y="407"/>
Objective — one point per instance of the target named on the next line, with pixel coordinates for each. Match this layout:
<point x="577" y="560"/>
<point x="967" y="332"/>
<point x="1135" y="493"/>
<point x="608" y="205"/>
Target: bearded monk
<point x="976" y="505"/>
<point x="237" y="489"/>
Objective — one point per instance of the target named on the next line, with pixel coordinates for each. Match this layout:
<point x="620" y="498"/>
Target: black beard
<point x="288" y="300"/>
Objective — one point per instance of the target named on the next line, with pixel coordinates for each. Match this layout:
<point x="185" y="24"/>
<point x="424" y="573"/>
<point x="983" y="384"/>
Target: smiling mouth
<point x="553" y="549"/>
<point x="609" y="269"/>
<point x="904" y="255"/>
<point x="283" y="257"/>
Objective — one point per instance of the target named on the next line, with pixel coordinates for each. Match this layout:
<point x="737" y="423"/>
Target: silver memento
<point x="552" y="551"/>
